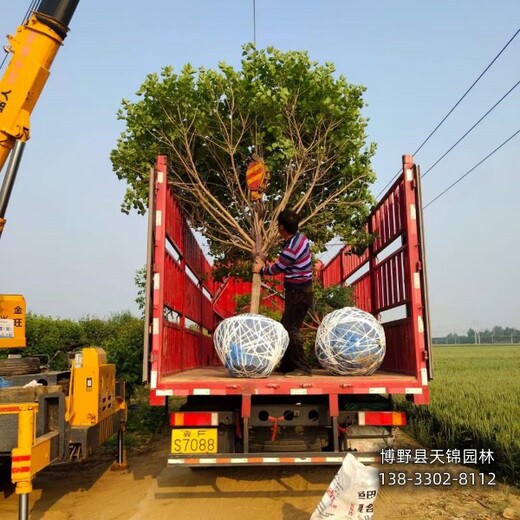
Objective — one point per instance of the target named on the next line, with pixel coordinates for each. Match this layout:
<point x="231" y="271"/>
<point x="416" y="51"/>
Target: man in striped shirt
<point x="296" y="265"/>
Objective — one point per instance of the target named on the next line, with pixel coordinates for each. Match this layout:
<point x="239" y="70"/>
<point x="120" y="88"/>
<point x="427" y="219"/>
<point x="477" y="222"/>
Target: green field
<point x="474" y="403"/>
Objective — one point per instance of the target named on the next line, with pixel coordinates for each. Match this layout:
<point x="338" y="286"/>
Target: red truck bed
<point x="186" y="303"/>
<point x="281" y="420"/>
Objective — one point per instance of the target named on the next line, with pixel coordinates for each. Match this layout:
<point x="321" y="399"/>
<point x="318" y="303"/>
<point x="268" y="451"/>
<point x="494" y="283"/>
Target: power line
<point x="467" y="91"/>
<point x="471" y="129"/>
<point x="335" y="244"/>
<point x="457" y="181"/>
<point x="474" y="167"/>
<point x="454" y="107"/>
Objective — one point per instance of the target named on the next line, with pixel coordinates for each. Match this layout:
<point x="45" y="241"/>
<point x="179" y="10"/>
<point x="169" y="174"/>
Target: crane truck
<point x="49" y="416"/>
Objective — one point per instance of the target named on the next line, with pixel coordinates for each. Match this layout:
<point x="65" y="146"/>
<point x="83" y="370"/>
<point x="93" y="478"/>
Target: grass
<point x="474" y="403"/>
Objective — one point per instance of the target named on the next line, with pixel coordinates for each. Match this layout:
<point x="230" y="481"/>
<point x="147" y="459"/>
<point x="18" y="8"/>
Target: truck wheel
<point x="19" y="366"/>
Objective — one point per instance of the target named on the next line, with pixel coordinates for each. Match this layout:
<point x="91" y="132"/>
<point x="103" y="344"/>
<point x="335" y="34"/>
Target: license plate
<point x="194" y="440"/>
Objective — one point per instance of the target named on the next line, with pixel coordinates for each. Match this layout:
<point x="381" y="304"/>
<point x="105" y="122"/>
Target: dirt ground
<point x="149" y="489"/>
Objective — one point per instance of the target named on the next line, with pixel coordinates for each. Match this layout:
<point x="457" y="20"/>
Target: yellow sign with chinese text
<point x="12" y="321"/>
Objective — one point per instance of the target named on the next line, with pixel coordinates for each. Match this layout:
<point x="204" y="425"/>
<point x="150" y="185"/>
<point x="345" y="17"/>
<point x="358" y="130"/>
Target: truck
<point x="226" y="420"/>
<point x="46" y="416"/>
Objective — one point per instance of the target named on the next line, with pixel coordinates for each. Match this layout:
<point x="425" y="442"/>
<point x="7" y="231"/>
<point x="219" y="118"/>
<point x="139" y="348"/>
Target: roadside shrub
<point x="124" y="347"/>
<point x="52" y="337"/>
<point x="146" y="419"/>
<point x="95" y="330"/>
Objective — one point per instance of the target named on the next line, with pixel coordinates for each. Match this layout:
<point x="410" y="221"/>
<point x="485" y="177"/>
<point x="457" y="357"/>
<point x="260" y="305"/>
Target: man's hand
<point x="258" y="263"/>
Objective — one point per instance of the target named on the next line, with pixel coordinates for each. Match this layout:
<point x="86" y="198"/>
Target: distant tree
<point x="96" y="331"/>
<point x="125" y="348"/>
<point x="52" y="338"/>
<point x="140" y="283"/>
<point x="283" y="109"/>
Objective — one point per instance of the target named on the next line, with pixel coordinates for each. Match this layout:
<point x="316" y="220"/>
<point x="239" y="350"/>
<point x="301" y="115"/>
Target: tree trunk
<point x="256" y="291"/>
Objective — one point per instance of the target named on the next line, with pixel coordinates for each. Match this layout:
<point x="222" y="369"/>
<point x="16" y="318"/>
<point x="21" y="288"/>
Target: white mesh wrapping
<point x="250" y="345"/>
<point x="350" y="342"/>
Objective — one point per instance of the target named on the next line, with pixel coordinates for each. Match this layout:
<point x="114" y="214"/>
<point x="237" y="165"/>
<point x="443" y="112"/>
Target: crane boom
<point x="33" y="48"/>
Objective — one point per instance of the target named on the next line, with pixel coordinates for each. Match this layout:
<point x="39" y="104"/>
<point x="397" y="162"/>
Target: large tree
<point x="283" y="109"/>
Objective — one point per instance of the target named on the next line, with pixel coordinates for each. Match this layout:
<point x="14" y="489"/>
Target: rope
<point x="250" y="345"/>
<point x="350" y="342"/>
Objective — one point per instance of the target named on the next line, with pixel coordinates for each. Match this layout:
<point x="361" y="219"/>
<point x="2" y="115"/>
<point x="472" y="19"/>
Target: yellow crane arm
<point x="33" y="49"/>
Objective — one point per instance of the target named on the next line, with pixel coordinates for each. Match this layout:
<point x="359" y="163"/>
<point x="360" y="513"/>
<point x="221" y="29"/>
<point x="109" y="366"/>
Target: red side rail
<point x="182" y="313"/>
<point x="389" y="279"/>
<point x="187" y="302"/>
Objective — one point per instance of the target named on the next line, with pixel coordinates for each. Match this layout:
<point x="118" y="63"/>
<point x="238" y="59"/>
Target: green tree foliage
<point x="125" y="348"/>
<point x="140" y="283"/>
<point x="96" y="331"/>
<point x="329" y="299"/>
<point x="53" y="338"/>
<point x="302" y="118"/>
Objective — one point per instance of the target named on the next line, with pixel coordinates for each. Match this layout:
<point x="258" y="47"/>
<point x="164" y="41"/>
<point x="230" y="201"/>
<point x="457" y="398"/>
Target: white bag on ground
<point x="351" y="494"/>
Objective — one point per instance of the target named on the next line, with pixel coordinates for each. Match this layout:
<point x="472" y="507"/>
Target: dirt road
<point x="151" y="490"/>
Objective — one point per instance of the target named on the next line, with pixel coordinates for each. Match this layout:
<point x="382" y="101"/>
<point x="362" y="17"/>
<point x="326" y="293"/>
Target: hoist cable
<point x="254" y="22"/>
<point x="32" y="7"/>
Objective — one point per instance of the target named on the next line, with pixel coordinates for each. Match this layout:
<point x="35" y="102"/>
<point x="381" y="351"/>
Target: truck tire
<point x="19" y="366"/>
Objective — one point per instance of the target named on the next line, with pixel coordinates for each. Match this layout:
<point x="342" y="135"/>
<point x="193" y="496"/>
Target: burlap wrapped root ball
<point x="250" y="345"/>
<point x="350" y="342"/>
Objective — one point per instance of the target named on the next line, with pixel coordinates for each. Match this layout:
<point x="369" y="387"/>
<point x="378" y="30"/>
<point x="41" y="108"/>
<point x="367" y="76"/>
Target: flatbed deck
<point x="218" y="381"/>
<point x="220" y="374"/>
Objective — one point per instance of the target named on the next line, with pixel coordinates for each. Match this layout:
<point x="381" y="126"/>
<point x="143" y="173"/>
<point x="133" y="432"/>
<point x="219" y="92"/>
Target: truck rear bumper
<point x="271" y="459"/>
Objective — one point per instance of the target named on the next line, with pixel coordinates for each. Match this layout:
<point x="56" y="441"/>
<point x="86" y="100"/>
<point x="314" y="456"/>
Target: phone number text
<point x="436" y="478"/>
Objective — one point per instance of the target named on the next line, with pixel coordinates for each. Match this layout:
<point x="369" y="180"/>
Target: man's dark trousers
<point x="298" y="301"/>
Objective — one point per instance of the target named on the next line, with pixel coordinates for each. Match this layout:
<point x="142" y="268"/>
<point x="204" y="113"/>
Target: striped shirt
<point x="294" y="262"/>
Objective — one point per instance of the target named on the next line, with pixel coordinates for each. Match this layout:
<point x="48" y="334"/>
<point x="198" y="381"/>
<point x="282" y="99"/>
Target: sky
<point x="72" y="253"/>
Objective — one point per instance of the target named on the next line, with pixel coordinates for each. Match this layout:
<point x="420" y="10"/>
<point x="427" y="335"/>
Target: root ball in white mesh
<point x="250" y="345"/>
<point x="350" y="342"/>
